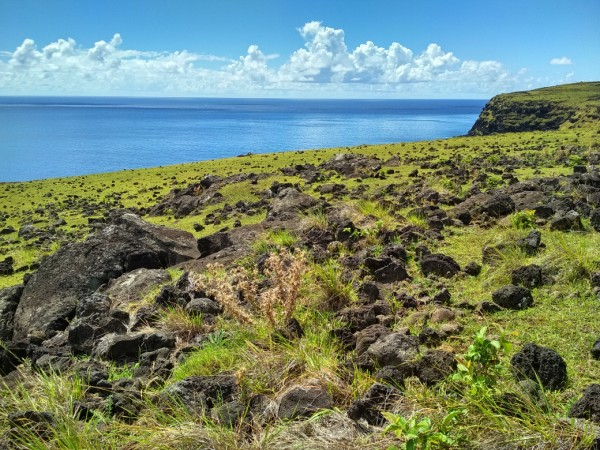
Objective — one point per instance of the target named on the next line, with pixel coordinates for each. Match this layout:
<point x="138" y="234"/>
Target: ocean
<point x="47" y="137"/>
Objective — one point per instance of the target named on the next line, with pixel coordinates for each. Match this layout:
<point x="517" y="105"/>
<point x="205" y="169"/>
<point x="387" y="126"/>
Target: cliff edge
<point x="566" y="106"/>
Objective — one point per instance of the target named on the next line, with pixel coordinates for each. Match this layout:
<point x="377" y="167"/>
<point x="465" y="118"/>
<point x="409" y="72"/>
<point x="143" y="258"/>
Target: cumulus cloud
<point x="564" y="61"/>
<point x="323" y="66"/>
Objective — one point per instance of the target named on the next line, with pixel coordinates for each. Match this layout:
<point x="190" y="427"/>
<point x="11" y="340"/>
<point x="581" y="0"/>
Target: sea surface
<point x="46" y="137"/>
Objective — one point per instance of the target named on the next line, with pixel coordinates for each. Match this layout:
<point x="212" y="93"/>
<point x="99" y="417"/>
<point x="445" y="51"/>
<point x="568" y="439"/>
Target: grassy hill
<point x="565" y="106"/>
<point x="342" y="245"/>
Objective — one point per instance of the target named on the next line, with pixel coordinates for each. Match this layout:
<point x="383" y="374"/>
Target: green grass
<point x="563" y="317"/>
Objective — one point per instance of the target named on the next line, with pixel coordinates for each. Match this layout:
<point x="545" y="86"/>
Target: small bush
<point x="523" y="220"/>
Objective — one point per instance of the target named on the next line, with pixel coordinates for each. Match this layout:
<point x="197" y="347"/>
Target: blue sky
<point x="291" y="48"/>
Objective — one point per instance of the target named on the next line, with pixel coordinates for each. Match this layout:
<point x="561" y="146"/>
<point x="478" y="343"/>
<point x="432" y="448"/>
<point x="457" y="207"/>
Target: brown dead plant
<point x="238" y="288"/>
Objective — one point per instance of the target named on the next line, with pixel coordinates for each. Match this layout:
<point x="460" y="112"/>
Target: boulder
<point x="596" y="350"/>
<point x="588" y="406"/>
<point x="132" y="286"/>
<point x="199" y="393"/>
<point x="540" y="363"/>
<point x="96" y="304"/>
<point x="394" y="349"/>
<point x="125" y="348"/>
<point x="303" y="401"/>
<point x="493" y="205"/>
<point x="434" y="366"/>
<point x="6" y="266"/>
<point x="288" y="204"/>
<point x="76" y="270"/>
<point x="439" y="265"/>
<point x="569" y="221"/>
<point x="378" y="398"/>
<point x="9" y="300"/>
<point x="203" y="307"/>
<point x="370" y="335"/>
<point x="292" y="330"/>
<point x="512" y="297"/>
<point x="214" y="243"/>
<point x="595" y="219"/>
<point x="532" y="243"/>
<point x="386" y="269"/>
<point x="359" y="317"/>
<point x="528" y="276"/>
<point x="473" y="269"/>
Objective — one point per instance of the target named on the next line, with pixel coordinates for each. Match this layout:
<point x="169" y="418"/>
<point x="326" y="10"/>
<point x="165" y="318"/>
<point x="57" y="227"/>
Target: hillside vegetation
<point x="559" y="107"/>
<point x="439" y="294"/>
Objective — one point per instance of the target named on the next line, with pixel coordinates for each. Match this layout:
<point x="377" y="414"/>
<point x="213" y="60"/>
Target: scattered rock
<point x="199" y="393"/>
<point x="394" y="349"/>
<point x="486" y="307"/>
<point x="595" y="219"/>
<point x="537" y="362"/>
<point x="569" y="221"/>
<point x="6" y="266"/>
<point x="125" y="348"/>
<point x="588" y="406"/>
<point x="513" y="297"/>
<point x="473" y="269"/>
<point x="214" y="243"/>
<point x="40" y="423"/>
<point x="528" y="276"/>
<point x="291" y="331"/>
<point x="532" y="243"/>
<point x="288" y="204"/>
<point x="9" y="300"/>
<point x="203" y="307"/>
<point x="439" y="265"/>
<point x="378" y="398"/>
<point x="434" y="366"/>
<point x="364" y="338"/>
<point x="442" y="315"/>
<point x="303" y="401"/>
<point x="596" y="350"/>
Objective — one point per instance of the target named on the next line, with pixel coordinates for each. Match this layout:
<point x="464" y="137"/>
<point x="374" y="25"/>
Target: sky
<point x="296" y="48"/>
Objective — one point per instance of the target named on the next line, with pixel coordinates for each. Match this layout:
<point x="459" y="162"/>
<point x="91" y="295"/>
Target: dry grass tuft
<point x="238" y="288"/>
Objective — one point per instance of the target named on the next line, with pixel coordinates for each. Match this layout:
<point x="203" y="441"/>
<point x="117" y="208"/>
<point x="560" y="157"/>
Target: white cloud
<point x="323" y="67"/>
<point x="564" y="61"/>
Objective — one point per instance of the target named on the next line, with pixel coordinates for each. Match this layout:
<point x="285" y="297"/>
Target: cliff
<point x="566" y="106"/>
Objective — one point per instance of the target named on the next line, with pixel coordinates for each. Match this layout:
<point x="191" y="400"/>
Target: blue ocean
<point x="47" y="137"/>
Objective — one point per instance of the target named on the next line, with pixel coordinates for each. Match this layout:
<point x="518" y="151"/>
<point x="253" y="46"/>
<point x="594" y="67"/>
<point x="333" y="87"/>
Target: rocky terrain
<point x="317" y="305"/>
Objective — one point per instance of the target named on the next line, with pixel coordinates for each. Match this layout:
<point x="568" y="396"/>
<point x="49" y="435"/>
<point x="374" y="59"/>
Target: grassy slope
<point x="564" y="317"/>
<point x="565" y="106"/>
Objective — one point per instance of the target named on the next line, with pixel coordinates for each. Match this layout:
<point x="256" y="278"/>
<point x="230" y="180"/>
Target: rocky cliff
<point x="565" y="106"/>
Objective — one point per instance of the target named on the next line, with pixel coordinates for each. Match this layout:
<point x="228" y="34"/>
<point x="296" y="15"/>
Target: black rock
<point x="9" y="300"/>
<point x="473" y="269"/>
<point x="76" y="270"/>
<point x="595" y="219"/>
<point x="303" y="401"/>
<point x="588" y="406"/>
<point x="596" y="350"/>
<point x="292" y="330"/>
<point x="537" y="362"/>
<point x="435" y="366"/>
<point x="513" y="297"/>
<point x="214" y="243"/>
<point x="569" y="221"/>
<point x="528" y="276"/>
<point x="124" y="348"/>
<point x="378" y="398"/>
<point x="532" y="243"/>
<point x="439" y="265"/>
